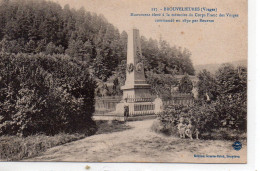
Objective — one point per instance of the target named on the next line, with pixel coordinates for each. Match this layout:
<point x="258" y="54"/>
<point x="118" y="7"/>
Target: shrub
<point x="207" y="118"/>
<point x="204" y="116"/>
<point x="227" y="89"/>
<point x="45" y="94"/>
<point x="231" y="104"/>
<point x="158" y="126"/>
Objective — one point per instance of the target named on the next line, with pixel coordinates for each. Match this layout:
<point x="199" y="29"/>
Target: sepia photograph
<point x="123" y="81"/>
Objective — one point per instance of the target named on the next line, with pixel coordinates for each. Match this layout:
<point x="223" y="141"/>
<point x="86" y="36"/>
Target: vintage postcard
<point x="123" y="81"/>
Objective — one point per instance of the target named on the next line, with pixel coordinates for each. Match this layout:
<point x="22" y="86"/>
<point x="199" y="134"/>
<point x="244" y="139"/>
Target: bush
<point x="226" y="108"/>
<point x="204" y="116"/>
<point x="231" y="104"/>
<point x="227" y="89"/>
<point x="45" y="94"/>
<point x="158" y="126"/>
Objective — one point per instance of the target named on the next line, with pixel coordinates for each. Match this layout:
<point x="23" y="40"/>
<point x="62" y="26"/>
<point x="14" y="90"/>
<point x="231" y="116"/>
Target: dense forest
<point x="46" y="27"/>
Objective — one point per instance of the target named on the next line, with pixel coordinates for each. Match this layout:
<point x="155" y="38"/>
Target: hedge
<point x="44" y="94"/>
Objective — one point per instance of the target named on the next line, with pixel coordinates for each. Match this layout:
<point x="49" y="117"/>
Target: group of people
<point x="187" y="130"/>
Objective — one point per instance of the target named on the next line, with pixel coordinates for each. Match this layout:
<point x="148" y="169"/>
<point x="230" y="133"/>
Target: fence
<point x="108" y="104"/>
<point x="142" y="108"/>
<point x="179" y="98"/>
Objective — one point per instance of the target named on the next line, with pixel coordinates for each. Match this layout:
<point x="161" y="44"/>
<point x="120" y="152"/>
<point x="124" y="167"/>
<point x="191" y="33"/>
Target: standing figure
<point x="192" y="129"/>
<point x="158" y="105"/>
<point x="182" y="127"/>
<point x="126" y="110"/>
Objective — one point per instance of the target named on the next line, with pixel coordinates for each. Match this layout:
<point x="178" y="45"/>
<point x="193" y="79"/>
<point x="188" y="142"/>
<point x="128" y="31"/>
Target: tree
<point x="122" y="45"/>
<point x="185" y="85"/>
<point x="207" y="85"/>
<point x="161" y="84"/>
<point x="80" y="50"/>
<point x="231" y="80"/>
<point x="99" y="68"/>
<point x="30" y="46"/>
<point x="120" y="73"/>
<point x="232" y="99"/>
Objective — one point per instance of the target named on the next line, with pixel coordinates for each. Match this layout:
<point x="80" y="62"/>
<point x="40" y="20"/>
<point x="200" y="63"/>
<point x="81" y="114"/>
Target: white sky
<point x="225" y="40"/>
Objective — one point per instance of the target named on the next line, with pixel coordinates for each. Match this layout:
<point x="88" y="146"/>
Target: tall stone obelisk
<point x="136" y="92"/>
<point x="135" y="85"/>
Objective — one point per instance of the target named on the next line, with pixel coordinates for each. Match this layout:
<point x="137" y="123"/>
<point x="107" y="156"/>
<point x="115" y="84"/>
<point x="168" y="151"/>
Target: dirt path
<point x="140" y="144"/>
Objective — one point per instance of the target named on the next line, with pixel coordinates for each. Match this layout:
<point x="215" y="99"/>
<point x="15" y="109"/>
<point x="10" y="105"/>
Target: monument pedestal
<point x="136" y="91"/>
<point x="138" y="99"/>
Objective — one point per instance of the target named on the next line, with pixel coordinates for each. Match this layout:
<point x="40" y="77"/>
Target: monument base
<point x="138" y="92"/>
<point x="135" y="108"/>
<point x="138" y="98"/>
